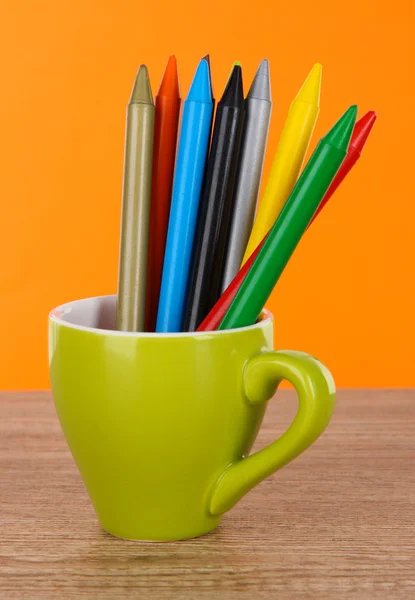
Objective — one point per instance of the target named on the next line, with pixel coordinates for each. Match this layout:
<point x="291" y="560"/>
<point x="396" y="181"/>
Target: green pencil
<point x="136" y="206"/>
<point x="291" y="224"/>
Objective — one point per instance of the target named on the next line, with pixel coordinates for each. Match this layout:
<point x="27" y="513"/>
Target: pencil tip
<point x="310" y="90"/>
<point x="169" y="85"/>
<point x="207" y="59"/>
<point x="235" y="64"/>
<point x="234" y="92"/>
<point x="341" y="132"/>
<point x="200" y="88"/>
<point x="362" y="130"/>
<point x="142" y="90"/>
<point x="261" y="84"/>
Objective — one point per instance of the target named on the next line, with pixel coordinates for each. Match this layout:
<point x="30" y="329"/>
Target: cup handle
<point x="316" y="396"/>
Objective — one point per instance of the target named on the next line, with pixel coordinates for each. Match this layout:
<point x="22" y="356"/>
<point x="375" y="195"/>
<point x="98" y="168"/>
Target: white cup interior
<point x="94" y="313"/>
<point x="98" y="314"/>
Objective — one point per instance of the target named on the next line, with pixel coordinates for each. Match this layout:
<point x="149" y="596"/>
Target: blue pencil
<point x="187" y="185"/>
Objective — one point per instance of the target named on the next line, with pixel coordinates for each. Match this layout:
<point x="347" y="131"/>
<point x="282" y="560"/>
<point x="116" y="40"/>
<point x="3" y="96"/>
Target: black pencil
<point x="214" y="210"/>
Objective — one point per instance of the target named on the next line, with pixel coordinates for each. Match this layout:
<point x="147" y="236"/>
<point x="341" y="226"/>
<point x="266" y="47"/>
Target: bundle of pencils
<point x="195" y="253"/>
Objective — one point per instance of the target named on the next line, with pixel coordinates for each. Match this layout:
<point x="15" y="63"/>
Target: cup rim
<point x="56" y="316"/>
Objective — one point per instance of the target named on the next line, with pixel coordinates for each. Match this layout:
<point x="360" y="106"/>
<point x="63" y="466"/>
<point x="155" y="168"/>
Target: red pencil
<point x="167" y="103"/>
<point x="359" y="137"/>
<point x="215" y="316"/>
<point x="360" y="134"/>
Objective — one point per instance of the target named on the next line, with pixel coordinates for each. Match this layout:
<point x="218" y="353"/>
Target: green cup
<point x="161" y="425"/>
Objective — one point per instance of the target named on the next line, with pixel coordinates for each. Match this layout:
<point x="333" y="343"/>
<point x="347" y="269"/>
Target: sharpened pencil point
<point x="235" y="64"/>
<point x="170" y="81"/>
<point x="207" y="59"/>
<point x="234" y="93"/>
<point x="200" y="88"/>
<point x="310" y="90"/>
<point x="141" y="93"/>
<point x="362" y="130"/>
<point x="261" y="84"/>
<point x="341" y="132"/>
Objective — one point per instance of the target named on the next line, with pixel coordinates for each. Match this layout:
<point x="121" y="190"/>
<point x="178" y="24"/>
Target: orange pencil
<point x="167" y="103"/>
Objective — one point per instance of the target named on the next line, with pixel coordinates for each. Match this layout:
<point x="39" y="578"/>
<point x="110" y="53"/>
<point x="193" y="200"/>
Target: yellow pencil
<point x="289" y="157"/>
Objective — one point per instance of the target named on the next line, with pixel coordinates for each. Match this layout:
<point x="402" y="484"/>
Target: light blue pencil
<point x="187" y="185"/>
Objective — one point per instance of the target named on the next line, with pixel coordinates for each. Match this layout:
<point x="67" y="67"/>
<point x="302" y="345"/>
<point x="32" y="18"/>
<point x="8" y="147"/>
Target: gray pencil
<point x="136" y="206"/>
<point x="257" y="117"/>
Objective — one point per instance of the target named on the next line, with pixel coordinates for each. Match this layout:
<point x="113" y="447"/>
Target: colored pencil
<point x="187" y="184"/>
<point x="258" y="107"/>
<point x="217" y="194"/>
<point x="360" y="134"/>
<point x="291" y="224"/>
<point x="358" y="140"/>
<point x="135" y="216"/>
<point x="216" y="314"/>
<point x="294" y="141"/>
<point x="207" y="59"/>
<point x="167" y="110"/>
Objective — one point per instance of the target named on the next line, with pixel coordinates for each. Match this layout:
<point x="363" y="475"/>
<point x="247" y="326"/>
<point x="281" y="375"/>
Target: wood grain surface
<point x="336" y="523"/>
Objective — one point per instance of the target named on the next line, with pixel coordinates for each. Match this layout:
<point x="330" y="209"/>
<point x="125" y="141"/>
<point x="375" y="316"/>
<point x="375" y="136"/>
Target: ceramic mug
<point x="161" y="425"/>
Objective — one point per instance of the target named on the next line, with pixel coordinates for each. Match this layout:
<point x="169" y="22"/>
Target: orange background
<point x="67" y="71"/>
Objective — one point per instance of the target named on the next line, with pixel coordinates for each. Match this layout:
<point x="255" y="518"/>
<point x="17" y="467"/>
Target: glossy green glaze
<point x="159" y="425"/>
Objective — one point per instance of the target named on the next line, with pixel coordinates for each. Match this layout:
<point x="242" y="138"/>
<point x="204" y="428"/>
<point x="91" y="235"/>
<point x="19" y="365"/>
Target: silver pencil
<point x="257" y="117"/>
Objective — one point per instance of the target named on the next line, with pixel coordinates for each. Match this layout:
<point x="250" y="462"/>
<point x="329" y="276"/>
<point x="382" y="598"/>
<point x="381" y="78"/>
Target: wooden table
<point x="336" y="523"/>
